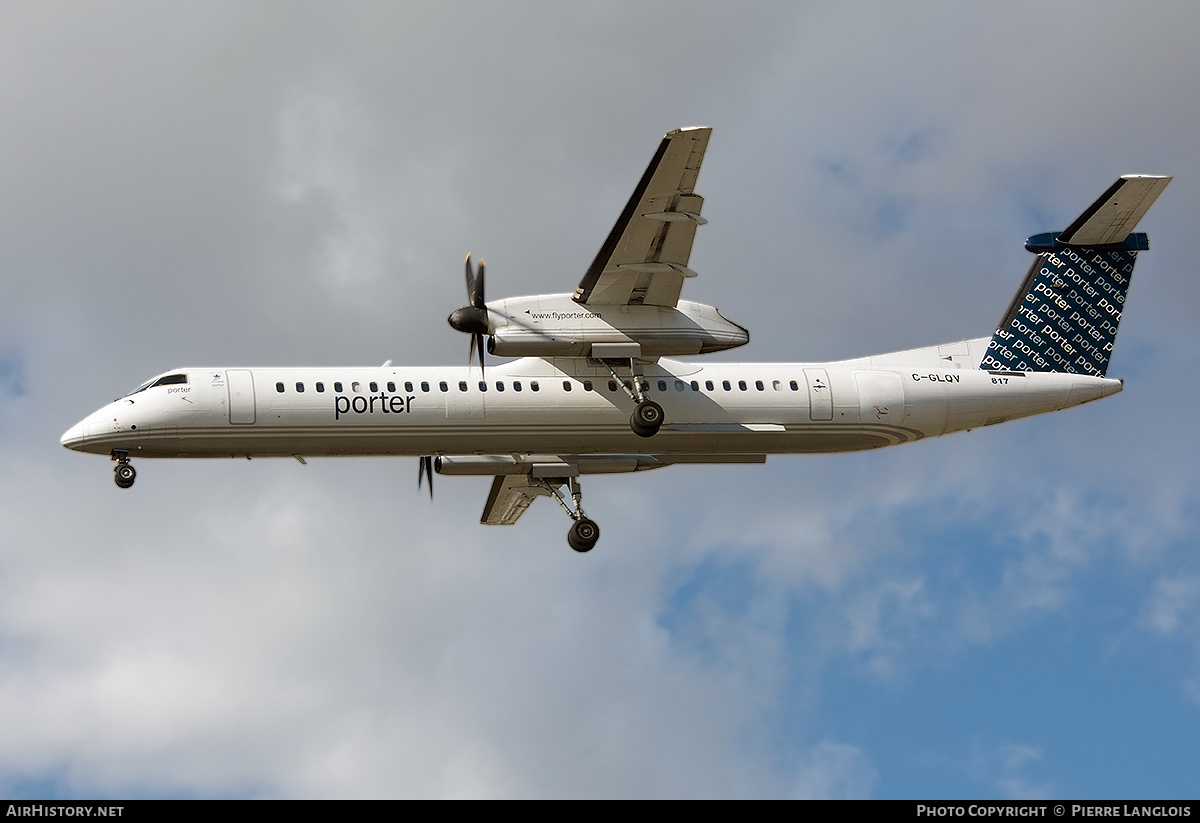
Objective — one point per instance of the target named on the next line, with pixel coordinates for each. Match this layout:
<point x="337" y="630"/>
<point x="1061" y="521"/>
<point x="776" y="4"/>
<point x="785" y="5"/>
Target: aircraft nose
<point x="74" y="437"/>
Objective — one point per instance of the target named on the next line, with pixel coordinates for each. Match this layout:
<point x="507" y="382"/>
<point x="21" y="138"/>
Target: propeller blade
<point x="473" y="319"/>
<point x="477" y="291"/>
<point x="425" y="469"/>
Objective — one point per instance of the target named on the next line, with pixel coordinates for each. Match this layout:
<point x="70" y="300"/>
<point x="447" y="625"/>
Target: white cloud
<point x="1173" y="601"/>
<point x="835" y="770"/>
<point x="1012" y="762"/>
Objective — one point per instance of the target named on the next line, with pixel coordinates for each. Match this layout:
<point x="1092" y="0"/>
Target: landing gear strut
<point x="124" y="473"/>
<point x="584" y="532"/>
<point x="647" y="415"/>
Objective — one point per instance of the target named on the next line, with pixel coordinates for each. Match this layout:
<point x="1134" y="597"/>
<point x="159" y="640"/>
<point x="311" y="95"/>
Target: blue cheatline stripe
<point x="1065" y="317"/>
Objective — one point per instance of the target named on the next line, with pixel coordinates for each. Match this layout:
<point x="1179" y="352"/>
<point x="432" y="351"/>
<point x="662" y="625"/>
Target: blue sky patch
<point x="913" y="148"/>
<point x="12" y="374"/>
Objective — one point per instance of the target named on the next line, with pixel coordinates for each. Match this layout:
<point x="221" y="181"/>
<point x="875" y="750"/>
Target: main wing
<point x="644" y="260"/>
<point x="521" y="479"/>
<point x="509" y="498"/>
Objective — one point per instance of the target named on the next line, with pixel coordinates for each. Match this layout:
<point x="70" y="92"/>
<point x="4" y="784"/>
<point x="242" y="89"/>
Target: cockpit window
<point x="165" y="380"/>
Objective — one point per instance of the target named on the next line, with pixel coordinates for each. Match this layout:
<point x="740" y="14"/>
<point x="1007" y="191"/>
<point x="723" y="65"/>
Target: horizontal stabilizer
<point x="1111" y="218"/>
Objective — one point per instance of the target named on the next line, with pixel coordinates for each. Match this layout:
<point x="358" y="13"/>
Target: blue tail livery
<point x="1064" y="317"/>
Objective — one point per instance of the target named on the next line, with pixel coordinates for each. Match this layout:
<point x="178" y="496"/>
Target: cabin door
<point x="241" y="396"/>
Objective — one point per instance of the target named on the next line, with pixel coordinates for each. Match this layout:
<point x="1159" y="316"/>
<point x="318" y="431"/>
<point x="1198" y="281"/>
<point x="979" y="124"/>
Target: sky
<point x="1012" y="612"/>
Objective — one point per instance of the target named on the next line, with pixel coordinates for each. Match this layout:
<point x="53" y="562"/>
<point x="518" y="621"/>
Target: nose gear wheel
<point x="123" y="473"/>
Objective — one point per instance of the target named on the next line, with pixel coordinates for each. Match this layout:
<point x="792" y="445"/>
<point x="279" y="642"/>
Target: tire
<point x="583" y="535"/>
<point x="647" y="418"/>
<point x="124" y="475"/>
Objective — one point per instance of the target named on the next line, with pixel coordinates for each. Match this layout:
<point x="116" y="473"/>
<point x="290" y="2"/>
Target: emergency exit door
<point x="820" y="396"/>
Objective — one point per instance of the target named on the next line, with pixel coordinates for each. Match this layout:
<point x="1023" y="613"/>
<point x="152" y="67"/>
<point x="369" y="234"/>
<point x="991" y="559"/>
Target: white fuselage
<point x="573" y="406"/>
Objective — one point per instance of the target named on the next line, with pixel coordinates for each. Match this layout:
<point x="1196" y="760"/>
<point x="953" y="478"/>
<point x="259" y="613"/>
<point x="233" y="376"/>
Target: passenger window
<point x="374" y="387"/>
<point x="742" y="385"/>
<point x="356" y="387"/>
<point x="533" y="385"/>
<point x="708" y="384"/>
<point x="795" y="386"/>
<point x="462" y="385"/>
<point x="424" y="386"/>
<point x="516" y="385"/>
<point x="725" y="385"/>
<point x="279" y="388"/>
<point x="679" y="385"/>
<point x="566" y="385"/>
<point x="758" y="384"/>
<point x="392" y="387"/>
<point x="499" y="386"/>
<point x="482" y="386"/>
<point x="587" y="385"/>
<point x="300" y="388"/>
<point x="695" y="386"/>
<point x="612" y="385"/>
<point x="337" y="387"/>
<point x="407" y="385"/>
<point x="777" y="386"/>
<point x="662" y="385"/>
<point x="320" y="388"/>
<point x="443" y="386"/>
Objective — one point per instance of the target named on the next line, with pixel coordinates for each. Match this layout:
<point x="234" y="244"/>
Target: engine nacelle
<point x="554" y="325"/>
<point x="553" y="465"/>
<point x="544" y="465"/>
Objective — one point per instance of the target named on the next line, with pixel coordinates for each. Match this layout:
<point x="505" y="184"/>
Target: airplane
<point x="596" y="389"/>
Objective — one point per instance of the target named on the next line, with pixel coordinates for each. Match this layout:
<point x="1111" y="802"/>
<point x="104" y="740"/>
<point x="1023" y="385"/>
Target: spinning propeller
<point x="425" y="469"/>
<point x="473" y="319"/>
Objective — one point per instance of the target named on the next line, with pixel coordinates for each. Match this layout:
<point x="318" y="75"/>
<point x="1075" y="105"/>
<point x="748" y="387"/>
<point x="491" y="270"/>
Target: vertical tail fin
<point x="1064" y="317"/>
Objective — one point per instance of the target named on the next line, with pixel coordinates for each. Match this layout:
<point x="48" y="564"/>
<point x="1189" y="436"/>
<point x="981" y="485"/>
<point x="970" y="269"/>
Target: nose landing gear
<point x="124" y="473"/>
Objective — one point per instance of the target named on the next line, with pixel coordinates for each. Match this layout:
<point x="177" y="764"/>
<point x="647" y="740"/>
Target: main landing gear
<point x="584" y="532"/>
<point x="647" y="415"/>
<point x="124" y="473"/>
